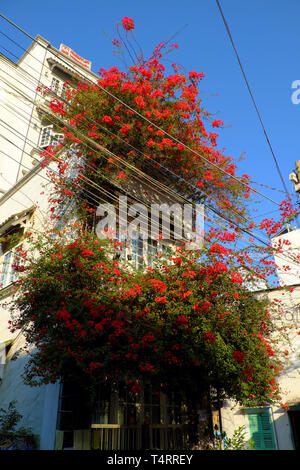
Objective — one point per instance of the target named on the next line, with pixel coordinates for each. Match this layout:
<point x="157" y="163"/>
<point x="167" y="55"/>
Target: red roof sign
<point x="68" y="51"/>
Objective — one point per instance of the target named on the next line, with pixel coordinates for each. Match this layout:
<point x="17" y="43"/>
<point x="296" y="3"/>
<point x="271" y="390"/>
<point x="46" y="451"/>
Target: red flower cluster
<point x="134" y="386"/>
<point x="128" y="23"/>
<point x="236" y="278"/>
<point x="209" y="337"/>
<point x="217" y="123"/>
<point x="182" y="320"/>
<point x="238" y="356"/>
<point x="218" y="249"/>
<point x="87" y="253"/>
<point x="145" y="367"/>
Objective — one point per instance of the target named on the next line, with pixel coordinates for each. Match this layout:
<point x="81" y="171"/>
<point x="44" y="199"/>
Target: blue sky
<point x="267" y="38"/>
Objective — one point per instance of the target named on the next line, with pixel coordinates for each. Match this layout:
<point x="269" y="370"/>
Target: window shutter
<point x="45" y="136"/>
<point x="267" y="431"/>
<point x="261" y="431"/>
<point x="55" y="85"/>
<point x="256" y="436"/>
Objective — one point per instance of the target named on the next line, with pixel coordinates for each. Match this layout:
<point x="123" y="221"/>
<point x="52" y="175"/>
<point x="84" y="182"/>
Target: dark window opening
<point x="295" y="422"/>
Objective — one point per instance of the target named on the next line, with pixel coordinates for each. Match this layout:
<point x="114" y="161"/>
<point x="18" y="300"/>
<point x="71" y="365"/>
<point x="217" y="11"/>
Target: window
<point x="261" y="430"/>
<point x="48" y="137"/>
<point x="45" y="136"/>
<point x="56" y="138"/>
<point x="294" y="415"/>
<point x="9" y="260"/>
<point x="151" y="252"/>
<point x="140" y="252"/>
<point x="6" y="268"/>
<point x="59" y="86"/>
<point x="4" y="350"/>
<point x="55" y="85"/>
<point x="137" y="251"/>
<point x="116" y="405"/>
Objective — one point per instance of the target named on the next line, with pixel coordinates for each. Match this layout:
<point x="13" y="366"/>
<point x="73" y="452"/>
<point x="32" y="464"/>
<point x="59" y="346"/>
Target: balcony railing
<point x="131" y="437"/>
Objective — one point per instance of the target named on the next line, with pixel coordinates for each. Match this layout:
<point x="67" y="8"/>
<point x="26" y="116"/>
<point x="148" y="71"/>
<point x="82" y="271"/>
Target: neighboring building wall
<point x="234" y="416"/>
<point x="33" y="403"/>
<point x="288" y="261"/>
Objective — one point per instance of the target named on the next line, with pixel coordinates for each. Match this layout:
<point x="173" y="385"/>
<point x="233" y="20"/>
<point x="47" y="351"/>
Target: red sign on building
<point x="68" y="51"/>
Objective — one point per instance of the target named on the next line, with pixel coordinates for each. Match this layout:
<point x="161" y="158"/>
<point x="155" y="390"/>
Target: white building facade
<point x="24" y="192"/>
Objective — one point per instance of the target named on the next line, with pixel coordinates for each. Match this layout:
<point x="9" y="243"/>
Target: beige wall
<point x="288" y="315"/>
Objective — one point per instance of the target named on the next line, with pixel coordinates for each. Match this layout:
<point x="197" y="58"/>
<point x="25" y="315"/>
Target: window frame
<point x="11" y="273"/>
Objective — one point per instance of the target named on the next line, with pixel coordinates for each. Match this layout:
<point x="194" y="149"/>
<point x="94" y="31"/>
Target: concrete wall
<point x="37" y="405"/>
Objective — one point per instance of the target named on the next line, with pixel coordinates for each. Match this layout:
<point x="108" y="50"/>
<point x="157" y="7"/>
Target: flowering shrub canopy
<point x="182" y="324"/>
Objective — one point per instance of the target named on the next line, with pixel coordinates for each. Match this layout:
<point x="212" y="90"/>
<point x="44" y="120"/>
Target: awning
<point x="15" y="219"/>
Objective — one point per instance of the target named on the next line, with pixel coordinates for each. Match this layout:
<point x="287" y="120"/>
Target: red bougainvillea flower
<point x="285" y="406"/>
<point x="107" y="119"/>
<point x="86" y="253"/>
<point x="128" y="23"/>
<point x="218" y="249"/>
<point x="217" y="123"/>
<point x="116" y="42"/>
<point x="209" y="337"/>
<point x="238" y="356"/>
<point x="196" y="76"/>
<point x="182" y="320"/>
<point x="236" y="278"/>
<point x="121" y="175"/>
<point x="134" y="386"/>
<point x="162" y="300"/>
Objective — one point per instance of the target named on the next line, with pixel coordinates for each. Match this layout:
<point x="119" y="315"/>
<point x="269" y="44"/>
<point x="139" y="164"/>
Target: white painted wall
<point x="288" y="258"/>
<point x="233" y="415"/>
<point x="25" y="184"/>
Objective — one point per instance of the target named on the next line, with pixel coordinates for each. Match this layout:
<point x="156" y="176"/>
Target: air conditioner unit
<point x="45" y="136"/>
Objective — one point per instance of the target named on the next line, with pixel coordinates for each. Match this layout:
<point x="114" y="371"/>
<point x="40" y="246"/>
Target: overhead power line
<point x="218" y="224"/>
<point x="252" y="98"/>
<point x="216" y="212"/>
<point x="62" y="57"/>
<point x="208" y="161"/>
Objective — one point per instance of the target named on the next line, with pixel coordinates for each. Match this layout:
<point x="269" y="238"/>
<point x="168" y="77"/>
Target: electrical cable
<point x="189" y="201"/>
<point x="132" y="109"/>
<point x="252" y="98"/>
